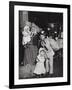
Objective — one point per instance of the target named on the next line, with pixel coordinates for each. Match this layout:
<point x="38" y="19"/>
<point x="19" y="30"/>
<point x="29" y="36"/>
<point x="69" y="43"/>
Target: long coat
<point x="30" y="53"/>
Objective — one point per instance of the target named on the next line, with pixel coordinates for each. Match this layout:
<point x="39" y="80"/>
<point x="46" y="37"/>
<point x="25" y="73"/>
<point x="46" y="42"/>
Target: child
<point x="39" y="68"/>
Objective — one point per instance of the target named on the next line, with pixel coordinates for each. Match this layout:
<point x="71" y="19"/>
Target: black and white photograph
<point x="39" y="42"/>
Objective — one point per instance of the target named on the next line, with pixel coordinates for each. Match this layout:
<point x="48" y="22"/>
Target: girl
<point x="39" y="68"/>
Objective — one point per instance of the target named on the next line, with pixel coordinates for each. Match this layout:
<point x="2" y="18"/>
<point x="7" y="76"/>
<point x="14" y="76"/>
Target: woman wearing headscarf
<point x="30" y="50"/>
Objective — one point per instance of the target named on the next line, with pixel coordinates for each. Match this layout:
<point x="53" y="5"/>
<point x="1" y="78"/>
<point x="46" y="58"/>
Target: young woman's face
<point x="26" y="28"/>
<point x="42" y="37"/>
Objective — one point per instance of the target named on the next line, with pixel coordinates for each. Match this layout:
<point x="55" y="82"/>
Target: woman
<point x="30" y="50"/>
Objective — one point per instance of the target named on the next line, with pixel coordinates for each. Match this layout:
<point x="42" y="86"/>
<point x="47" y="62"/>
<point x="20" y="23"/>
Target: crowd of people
<point x="38" y="59"/>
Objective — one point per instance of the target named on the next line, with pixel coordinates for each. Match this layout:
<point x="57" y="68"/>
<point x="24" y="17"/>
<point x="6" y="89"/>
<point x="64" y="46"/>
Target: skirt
<point x="39" y="68"/>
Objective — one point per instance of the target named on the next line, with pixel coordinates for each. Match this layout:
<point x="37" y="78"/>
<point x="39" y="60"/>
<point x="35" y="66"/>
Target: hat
<point x="41" y="49"/>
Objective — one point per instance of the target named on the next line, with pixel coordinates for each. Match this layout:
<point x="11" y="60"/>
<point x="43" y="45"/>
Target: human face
<point x="26" y="28"/>
<point x="42" y="37"/>
<point x="56" y="38"/>
<point x="42" y="53"/>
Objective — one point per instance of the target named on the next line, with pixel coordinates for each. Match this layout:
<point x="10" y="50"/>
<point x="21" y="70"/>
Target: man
<point x="49" y="51"/>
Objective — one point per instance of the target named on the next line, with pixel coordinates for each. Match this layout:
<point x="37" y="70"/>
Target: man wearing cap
<point x="49" y="51"/>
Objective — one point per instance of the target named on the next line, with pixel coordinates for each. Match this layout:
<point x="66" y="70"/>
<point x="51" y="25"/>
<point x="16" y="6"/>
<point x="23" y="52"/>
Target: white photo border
<point x="18" y="81"/>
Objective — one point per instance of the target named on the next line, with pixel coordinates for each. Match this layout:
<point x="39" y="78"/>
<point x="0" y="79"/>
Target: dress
<point x="30" y="53"/>
<point x="39" y="68"/>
